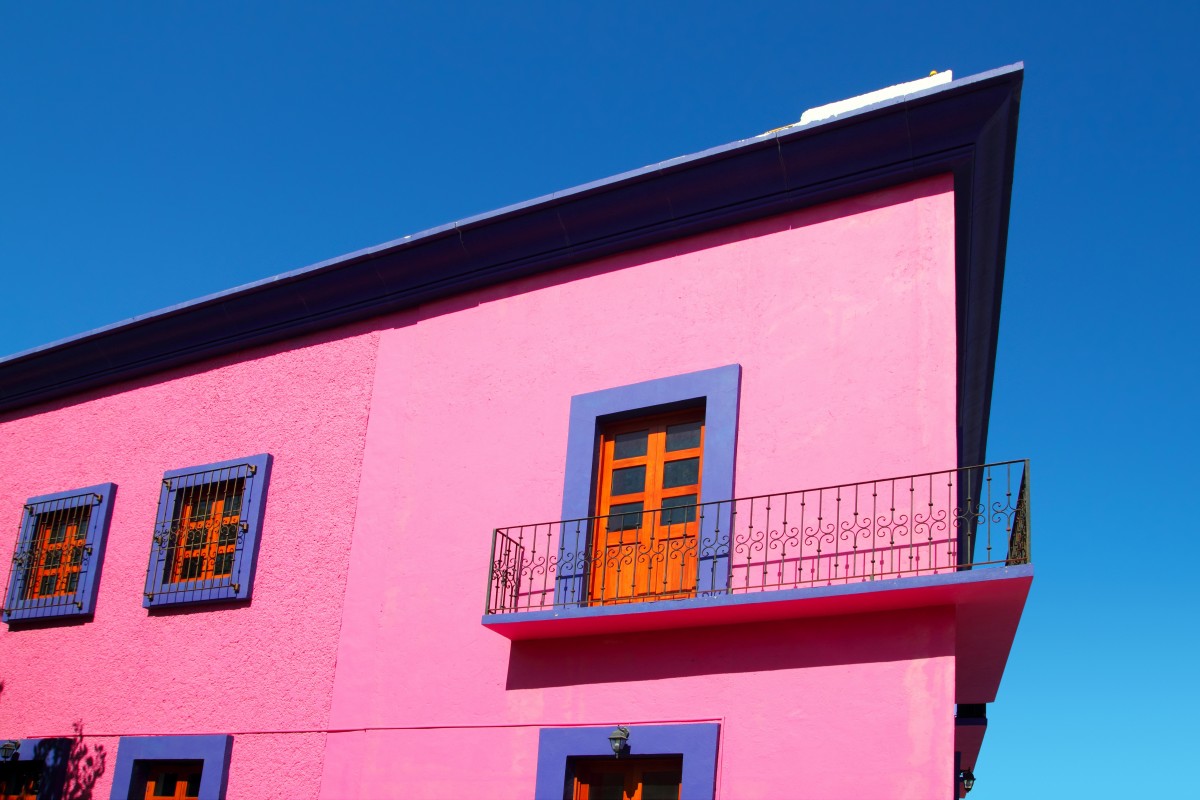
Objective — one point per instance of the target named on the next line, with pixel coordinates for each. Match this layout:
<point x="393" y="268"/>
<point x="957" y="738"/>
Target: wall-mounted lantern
<point x="9" y="749"/>
<point x="619" y="739"/>
<point x="967" y="779"/>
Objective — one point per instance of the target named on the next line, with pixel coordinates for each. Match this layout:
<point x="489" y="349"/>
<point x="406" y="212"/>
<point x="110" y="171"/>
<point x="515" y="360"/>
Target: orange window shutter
<point x="173" y="781"/>
<point x="206" y="531"/>
<point x="57" y="552"/>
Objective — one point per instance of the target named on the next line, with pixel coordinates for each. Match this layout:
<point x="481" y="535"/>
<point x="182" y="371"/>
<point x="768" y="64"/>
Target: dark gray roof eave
<point x="967" y="127"/>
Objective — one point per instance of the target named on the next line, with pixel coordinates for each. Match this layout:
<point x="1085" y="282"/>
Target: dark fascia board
<point x="966" y="127"/>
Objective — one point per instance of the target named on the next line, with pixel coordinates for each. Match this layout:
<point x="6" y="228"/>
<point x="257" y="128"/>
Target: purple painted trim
<point x="718" y="390"/>
<point x="214" y="750"/>
<point x="245" y="561"/>
<point x="778" y="596"/>
<point x="54" y="755"/>
<point x="696" y="742"/>
<point x="967" y="127"/>
<point x="18" y="610"/>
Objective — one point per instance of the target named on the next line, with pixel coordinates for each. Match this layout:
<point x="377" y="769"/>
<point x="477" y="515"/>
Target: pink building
<point x="663" y="486"/>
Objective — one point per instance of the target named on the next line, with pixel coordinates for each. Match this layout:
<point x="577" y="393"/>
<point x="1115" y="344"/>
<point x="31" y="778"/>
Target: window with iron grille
<point x="207" y="533"/>
<point x="55" y="569"/>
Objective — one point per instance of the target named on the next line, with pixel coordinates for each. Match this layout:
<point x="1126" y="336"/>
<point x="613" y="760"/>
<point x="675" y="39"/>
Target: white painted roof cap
<point x="899" y="90"/>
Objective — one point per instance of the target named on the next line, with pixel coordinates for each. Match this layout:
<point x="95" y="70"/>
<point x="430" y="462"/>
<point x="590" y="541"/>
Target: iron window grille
<point x="55" y="569"/>
<point x="206" y="534"/>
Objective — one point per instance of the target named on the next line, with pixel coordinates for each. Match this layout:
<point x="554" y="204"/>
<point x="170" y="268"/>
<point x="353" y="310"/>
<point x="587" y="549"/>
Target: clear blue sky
<point x="153" y="153"/>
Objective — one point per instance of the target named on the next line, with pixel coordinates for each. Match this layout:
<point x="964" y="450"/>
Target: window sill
<point x="186" y="594"/>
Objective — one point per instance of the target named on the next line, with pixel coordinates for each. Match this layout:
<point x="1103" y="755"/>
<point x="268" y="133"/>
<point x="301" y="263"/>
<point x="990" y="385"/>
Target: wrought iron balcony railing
<point x="928" y="524"/>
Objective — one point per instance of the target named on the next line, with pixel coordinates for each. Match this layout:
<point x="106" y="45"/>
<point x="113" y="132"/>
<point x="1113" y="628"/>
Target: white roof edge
<point x="870" y="98"/>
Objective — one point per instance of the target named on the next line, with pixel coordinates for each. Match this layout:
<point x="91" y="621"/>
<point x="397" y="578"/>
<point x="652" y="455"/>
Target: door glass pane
<point x="630" y="445"/>
<point x="683" y="436"/>
<point x="625" y="516"/>
<point x="610" y="787"/>
<point x="677" y="510"/>
<point x="164" y="786"/>
<point x="661" y="785"/>
<point x="684" y="472"/>
<point x="630" y="480"/>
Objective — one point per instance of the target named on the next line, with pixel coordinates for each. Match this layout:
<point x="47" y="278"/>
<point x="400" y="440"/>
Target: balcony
<point x="927" y="539"/>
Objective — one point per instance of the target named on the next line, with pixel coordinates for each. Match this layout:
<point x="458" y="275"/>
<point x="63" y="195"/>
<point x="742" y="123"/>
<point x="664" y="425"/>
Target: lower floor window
<point x="20" y="780"/>
<point x="626" y="779"/>
<point x="178" y="767"/>
<point x="657" y="762"/>
<point x="178" y="780"/>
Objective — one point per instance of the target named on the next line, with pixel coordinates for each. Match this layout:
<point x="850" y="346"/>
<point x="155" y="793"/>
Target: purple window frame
<point x="718" y="390"/>
<point x="696" y="742"/>
<point x="158" y="593"/>
<point x="54" y="755"/>
<point x="135" y="753"/>
<point x="100" y="497"/>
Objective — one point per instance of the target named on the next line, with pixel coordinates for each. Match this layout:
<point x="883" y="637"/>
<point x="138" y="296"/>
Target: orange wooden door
<point x="640" y="552"/>
<point x="58" y="553"/>
<point x="209" y="519"/>
<point x="177" y="780"/>
<point x="628" y="779"/>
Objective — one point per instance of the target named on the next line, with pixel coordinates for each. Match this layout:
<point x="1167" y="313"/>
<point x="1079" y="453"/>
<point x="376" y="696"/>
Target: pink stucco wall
<point x="845" y="708"/>
<point x="400" y="444"/>
<point x="843" y="320"/>
<point x="263" y="670"/>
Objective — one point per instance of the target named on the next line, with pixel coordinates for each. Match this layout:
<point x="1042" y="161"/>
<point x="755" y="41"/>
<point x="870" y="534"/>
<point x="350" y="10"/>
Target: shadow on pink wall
<point x="760" y="647"/>
<point x="72" y="766"/>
